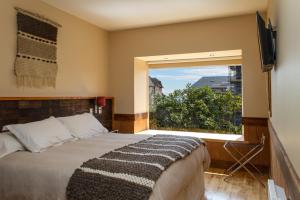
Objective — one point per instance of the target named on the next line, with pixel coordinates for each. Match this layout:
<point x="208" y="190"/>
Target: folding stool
<point x="242" y="159"/>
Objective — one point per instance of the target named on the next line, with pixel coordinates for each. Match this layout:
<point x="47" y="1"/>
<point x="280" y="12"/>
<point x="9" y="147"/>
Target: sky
<point x="177" y="78"/>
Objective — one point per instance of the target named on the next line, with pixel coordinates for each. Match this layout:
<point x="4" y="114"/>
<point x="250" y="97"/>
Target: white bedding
<point x="35" y="176"/>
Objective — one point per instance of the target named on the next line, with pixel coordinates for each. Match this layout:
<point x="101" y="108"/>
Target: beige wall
<point x="141" y="83"/>
<point x="285" y="77"/>
<point x="82" y="53"/>
<point x="202" y="36"/>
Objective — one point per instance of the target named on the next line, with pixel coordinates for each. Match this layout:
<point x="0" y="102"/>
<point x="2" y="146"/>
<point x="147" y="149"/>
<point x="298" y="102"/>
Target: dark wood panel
<point x="106" y="117"/>
<point x="131" y="123"/>
<point x="130" y="117"/>
<point x="141" y="124"/>
<point x="28" y="109"/>
<point x="43" y="98"/>
<point x="255" y="121"/>
<point x="282" y="170"/>
<point x="124" y="117"/>
<point x="124" y="126"/>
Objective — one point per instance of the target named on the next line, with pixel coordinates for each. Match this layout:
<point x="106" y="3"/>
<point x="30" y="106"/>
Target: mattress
<point x="35" y="176"/>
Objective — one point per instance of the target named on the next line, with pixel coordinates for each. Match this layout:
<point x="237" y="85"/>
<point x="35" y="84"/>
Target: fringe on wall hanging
<point x="36" y="59"/>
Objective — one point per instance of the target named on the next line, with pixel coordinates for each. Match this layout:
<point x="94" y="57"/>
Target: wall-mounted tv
<point x="266" y="40"/>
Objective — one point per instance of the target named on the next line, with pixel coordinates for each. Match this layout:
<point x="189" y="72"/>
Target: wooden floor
<point x="240" y="187"/>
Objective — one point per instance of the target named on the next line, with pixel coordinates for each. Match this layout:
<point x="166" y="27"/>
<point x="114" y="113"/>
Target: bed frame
<point x="27" y="109"/>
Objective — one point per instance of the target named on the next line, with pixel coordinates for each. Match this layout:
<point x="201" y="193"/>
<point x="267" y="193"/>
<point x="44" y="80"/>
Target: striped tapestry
<point x="35" y="64"/>
<point x="130" y="172"/>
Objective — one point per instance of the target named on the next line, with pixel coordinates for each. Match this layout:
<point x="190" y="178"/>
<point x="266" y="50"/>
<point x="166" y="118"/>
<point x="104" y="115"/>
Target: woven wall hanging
<point x="36" y="60"/>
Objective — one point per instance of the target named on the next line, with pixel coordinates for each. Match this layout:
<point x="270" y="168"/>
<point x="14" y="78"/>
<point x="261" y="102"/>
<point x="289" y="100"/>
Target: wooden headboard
<point x="27" y="109"/>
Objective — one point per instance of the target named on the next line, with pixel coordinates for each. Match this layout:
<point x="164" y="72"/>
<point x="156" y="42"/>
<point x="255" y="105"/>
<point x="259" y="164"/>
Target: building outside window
<point x="198" y="99"/>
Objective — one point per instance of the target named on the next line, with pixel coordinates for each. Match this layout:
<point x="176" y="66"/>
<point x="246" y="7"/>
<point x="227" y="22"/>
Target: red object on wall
<point x="101" y="101"/>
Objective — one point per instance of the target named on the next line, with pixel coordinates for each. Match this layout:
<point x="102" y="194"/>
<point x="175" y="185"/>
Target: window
<point x="197" y="99"/>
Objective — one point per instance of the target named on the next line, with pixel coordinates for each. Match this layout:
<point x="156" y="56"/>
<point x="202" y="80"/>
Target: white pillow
<point x="37" y="136"/>
<point x="9" y="144"/>
<point x="83" y="125"/>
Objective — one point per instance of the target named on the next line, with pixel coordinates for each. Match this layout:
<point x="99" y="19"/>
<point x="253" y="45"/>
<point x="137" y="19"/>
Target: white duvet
<point x="45" y="176"/>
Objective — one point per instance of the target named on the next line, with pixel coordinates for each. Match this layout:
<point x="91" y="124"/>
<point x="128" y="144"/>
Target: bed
<point x="34" y="176"/>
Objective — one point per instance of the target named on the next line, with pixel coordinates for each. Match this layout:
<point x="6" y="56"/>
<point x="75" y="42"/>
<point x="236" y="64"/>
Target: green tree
<point x="195" y="109"/>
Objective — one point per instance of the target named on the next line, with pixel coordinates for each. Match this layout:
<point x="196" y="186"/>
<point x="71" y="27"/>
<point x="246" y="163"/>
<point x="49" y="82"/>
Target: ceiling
<point x="126" y="14"/>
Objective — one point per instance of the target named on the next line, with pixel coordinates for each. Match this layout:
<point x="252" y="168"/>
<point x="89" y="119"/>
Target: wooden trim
<point x="131" y="123"/>
<point x="124" y="117"/>
<point x="141" y="116"/>
<point x="255" y="121"/>
<point x="46" y="98"/>
<point x="253" y="129"/>
<point x="236" y="61"/>
<point x="285" y="169"/>
<point x="130" y="117"/>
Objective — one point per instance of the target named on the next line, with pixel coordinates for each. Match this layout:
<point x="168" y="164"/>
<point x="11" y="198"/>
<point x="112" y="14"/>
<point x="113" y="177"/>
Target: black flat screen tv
<point x="266" y="40"/>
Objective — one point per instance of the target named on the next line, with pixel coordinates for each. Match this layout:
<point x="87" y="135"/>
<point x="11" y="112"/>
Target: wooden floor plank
<point x="240" y="187"/>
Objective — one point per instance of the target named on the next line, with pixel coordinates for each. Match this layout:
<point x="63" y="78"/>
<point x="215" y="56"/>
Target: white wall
<point x="286" y="77"/>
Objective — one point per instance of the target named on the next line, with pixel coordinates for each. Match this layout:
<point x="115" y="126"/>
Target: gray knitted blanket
<point x="130" y="172"/>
